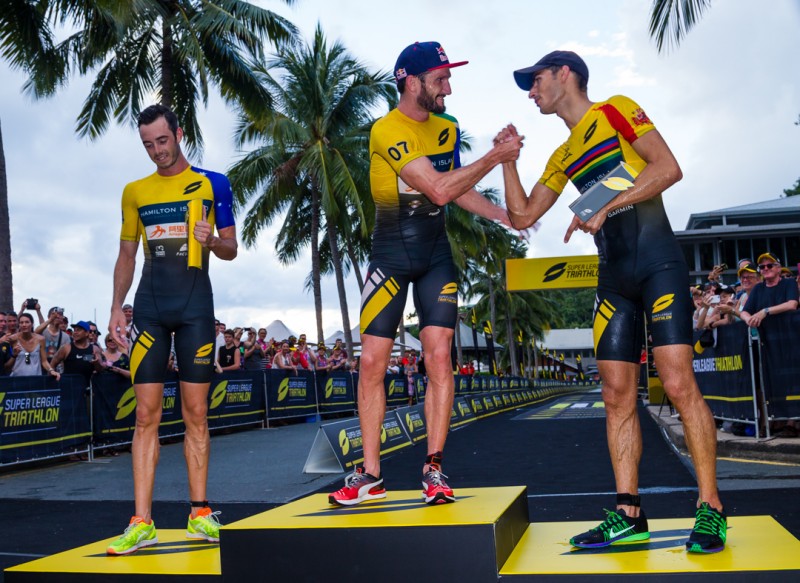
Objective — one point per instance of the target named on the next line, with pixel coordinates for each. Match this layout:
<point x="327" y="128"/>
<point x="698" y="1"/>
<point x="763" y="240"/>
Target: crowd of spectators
<point x="763" y="289"/>
<point x="54" y="347"/>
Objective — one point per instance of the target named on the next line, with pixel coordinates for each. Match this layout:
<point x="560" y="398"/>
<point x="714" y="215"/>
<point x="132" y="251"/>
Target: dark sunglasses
<point x="27" y="358"/>
<point x="765" y="266"/>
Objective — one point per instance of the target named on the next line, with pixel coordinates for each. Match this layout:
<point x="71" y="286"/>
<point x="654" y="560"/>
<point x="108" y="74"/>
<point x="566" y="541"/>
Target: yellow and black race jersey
<point x="405" y="216"/>
<point x="633" y="237"/>
<point x="154" y="209"/>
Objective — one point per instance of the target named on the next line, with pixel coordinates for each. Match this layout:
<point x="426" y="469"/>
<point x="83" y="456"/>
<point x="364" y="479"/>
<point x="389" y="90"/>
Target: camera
<point x="723" y="266"/>
<point x="31" y="303"/>
<point x="713" y="300"/>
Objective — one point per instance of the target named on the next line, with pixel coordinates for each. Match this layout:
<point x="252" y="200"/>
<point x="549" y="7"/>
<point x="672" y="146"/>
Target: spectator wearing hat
<point x="54" y="335"/>
<point x="304" y="355"/>
<point x="748" y="278"/>
<point x="774" y="295"/>
<point x="722" y="313"/>
<point x="322" y="359"/>
<point x="81" y="356"/>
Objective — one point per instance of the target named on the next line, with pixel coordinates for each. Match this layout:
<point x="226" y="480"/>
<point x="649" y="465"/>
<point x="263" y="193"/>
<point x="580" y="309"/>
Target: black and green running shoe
<point x="618" y="527"/>
<point x="709" y="532"/>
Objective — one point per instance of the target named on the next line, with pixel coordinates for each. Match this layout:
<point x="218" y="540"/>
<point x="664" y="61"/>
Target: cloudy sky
<point x="726" y="102"/>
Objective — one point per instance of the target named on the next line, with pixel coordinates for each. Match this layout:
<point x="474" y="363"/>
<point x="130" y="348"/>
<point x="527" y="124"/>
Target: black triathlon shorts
<point x="661" y="295"/>
<point x="386" y="290"/>
<point x="155" y="319"/>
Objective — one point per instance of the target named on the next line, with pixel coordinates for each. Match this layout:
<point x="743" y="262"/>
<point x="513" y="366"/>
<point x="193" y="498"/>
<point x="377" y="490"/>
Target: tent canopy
<point x="279" y="331"/>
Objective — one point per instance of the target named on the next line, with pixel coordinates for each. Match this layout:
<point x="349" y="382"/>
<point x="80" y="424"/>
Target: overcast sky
<point x="725" y="101"/>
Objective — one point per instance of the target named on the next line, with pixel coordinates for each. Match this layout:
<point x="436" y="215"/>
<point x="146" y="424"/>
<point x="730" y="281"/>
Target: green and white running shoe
<point x="205" y="526"/>
<point x="137" y="535"/>
<point x="618" y="527"/>
<point x="709" y="532"/>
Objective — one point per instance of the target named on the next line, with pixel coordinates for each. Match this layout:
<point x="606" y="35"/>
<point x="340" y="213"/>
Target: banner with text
<point x="41" y="418"/>
<point x="551" y="273"/>
<point x="723" y="372"/>
<point x="290" y="394"/>
<point x="335" y="392"/>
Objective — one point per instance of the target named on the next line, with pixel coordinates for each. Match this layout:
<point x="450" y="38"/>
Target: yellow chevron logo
<point x="450" y="288"/>
<point x="126" y="404"/>
<point x="204" y="350"/>
<point x="219" y="394"/>
<point x="344" y="443"/>
<point x="663" y="303"/>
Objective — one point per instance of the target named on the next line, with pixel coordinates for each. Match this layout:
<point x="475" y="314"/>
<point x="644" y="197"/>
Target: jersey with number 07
<point x="405" y="216"/>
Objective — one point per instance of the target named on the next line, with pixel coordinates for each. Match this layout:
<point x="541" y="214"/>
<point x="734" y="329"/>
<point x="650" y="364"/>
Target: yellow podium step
<point x="398" y="538"/>
<point x="174" y="560"/>
<point x="758" y="549"/>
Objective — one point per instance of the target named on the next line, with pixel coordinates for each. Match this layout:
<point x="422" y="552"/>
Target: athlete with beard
<point x="414" y="172"/>
<point x="173" y="299"/>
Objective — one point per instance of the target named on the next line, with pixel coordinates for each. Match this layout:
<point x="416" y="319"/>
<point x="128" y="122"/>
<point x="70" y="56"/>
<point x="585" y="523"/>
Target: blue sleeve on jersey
<point x="457" y="150"/>
<point x="223" y="197"/>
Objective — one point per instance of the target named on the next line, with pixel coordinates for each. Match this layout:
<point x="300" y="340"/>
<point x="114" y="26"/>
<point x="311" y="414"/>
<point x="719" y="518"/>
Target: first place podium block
<point x="398" y="538"/>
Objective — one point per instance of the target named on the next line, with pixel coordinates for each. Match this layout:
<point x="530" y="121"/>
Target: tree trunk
<point x="354" y="262"/>
<point x="511" y="344"/>
<point x="316" y="277"/>
<point x="402" y="331"/>
<point x="166" y="64"/>
<point x="6" y="287"/>
<point x="336" y="259"/>
<point x="459" y="352"/>
<point x="492" y="307"/>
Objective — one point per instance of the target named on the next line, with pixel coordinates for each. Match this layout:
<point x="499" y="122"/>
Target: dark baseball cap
<point x="524" y="77"/>
<point x="421" y="57"/>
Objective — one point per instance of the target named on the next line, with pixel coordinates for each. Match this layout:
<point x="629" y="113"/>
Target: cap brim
<point x="524" y="77"/>
<point x="449" y="65"/>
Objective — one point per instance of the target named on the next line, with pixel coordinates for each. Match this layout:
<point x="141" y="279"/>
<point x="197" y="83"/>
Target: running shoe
<point x="709" y="532"/>
<point x="618" y="527"/>
<point x="204" y="526"/>
<point x="434" y="489"/>
<point x="137" y="535"/>
<point x="358" y="486"/>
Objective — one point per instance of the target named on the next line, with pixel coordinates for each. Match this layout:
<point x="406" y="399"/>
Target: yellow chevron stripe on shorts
<point x="379" y="300"/>
<point x="603" y="314"/>
<point x="143" y="343"/>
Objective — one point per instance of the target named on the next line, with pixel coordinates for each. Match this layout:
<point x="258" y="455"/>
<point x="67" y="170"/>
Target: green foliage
<point x="576" y="307"/>
<point x="794" y="190"/>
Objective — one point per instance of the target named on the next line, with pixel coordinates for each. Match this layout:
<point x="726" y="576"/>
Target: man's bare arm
<point x="443" y="187"/>
<point x="123" y="278"/>
<point x="474" y="202"/>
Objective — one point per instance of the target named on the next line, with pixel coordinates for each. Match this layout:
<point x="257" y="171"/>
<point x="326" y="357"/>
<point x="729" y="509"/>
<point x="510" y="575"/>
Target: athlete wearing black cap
<point x="642" y="271"/>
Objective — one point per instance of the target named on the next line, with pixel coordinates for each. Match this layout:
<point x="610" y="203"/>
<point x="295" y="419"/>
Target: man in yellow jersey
<point x="642" y="271"/>
<point x="414" y="172"/>
<point x="172" y="298"/>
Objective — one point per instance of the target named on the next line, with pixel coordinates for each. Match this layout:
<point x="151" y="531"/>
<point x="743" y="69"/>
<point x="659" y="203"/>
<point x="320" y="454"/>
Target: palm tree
<point x="311" y="154"/>
<point x="24" y="33"/>
<point x="174" y="49"/>
<point x="671" y="20"/>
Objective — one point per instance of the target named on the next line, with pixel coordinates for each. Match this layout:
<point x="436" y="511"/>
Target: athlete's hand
<point x="508" y="149"/>
<point x="591" y="226"/>
<point x="505" y="134"/>
<point x="203" y="231"/>
<point x="116" y="327"/>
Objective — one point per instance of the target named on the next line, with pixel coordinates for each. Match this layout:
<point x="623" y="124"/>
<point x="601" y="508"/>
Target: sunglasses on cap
<point x="764" y="266"/>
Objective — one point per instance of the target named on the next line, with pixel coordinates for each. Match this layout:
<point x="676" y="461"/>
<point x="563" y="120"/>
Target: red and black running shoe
<point x="358" y="486"/>
<point x="434" y="489"/>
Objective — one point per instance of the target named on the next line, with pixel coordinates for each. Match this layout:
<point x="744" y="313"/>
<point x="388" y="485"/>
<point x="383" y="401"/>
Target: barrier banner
<point x="477" y="384"/>
<point x="781" y="364"/>
<point x="504" y="383"/>
<point x="723" y="372"/>
<point x="335" y="392"/>
<point x="41" y="418"/>
<point x="290" y="394"/>
<point x="396" y="388"/>
<point x="412" y="420"/>
<point x="462" y="413"/>
<point x="114" y="408"/>
<point x="463" y="384"/>
<point x="236" y="398"/>
<point x="476" y="403"/>
<point x="420" y="386"/>
<point x="498" y="402"/>
<point x="338" y="447"/>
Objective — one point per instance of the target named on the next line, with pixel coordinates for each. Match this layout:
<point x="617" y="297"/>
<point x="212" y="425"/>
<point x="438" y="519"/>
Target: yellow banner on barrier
<point x="577" y="271"/>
